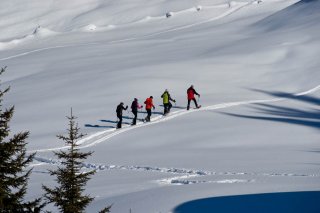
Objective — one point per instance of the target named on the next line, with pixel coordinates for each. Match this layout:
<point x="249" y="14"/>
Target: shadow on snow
<point x="293" y="202"/>
<point x="304" y="98"/>
<point x="113" y="122"/>
<point x="153" y="112"/>
<point x="304" y="117"/>
<point x="98" y="126"/>
<point x="175" y="107"/>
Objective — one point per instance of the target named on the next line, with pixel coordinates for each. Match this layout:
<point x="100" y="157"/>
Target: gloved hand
<point x="154" y="107"/>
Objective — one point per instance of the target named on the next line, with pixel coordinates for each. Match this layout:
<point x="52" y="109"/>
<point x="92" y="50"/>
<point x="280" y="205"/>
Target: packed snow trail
<point x="103" y="136"/>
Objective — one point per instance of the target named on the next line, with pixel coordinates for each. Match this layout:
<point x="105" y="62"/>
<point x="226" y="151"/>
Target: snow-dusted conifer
<point x="13" y="163"/>
<point x="68" y="195"/>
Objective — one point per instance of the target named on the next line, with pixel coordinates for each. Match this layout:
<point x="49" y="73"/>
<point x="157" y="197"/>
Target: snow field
<point x="254" y="63"/>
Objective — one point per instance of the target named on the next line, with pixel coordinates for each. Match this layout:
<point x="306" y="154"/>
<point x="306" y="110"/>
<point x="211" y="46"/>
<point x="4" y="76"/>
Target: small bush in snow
<point x="169" y="14"/>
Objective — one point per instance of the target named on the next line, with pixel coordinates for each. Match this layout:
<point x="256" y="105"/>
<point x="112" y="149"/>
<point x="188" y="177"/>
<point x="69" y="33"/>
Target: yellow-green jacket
<point x="166" y="97"/>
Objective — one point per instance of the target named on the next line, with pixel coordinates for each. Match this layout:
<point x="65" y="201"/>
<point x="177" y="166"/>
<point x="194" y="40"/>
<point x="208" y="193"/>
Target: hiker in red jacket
<point x="149" y="106"/>
<point x="191" y="92"/>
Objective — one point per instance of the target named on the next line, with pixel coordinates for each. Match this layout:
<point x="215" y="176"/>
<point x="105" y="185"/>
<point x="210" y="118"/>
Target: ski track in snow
<point x="184" y="176"/>
<point x="105" y="135"/>
<point x="234" y="7"/>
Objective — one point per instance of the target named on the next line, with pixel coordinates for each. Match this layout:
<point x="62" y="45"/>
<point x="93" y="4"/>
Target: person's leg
<point x="165" y="108"/>
<point x="169" y="107"/>
<point x="134" y="122"/>
<point x="195" y="102"/>
<point x="188" y="107"/>
<point x="149" y="114"/>
<point x="119" y="122"/>
<point x="146" y="118"/>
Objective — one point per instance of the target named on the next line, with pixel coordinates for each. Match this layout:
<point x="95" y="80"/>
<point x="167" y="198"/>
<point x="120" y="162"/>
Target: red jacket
<point x="149" y="103"/>
<point x="191" y="92"/>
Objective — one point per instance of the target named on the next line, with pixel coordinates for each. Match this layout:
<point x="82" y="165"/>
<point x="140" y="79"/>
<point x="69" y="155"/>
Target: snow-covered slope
<point x="255" y="64"/>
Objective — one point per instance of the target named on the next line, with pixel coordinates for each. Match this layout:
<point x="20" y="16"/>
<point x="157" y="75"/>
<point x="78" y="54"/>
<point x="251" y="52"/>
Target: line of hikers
<point x="167" y="105"/>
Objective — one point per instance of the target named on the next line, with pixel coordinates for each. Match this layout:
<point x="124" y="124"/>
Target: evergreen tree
<point x="13" y="162"/>
<point x="68" y="195"/>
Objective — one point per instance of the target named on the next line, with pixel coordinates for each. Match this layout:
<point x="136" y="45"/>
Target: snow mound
<point x="89" y="28"/>
<point x="94" y="28"/>
<point x="180" y="12"/>
<point x="39" y="32"/>
<point x="169" y="14"/>
<point x="42" y="32"/>
<point x="149" y="18"/>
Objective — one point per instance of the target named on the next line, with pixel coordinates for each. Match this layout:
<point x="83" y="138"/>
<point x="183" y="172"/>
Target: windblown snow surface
<point x="252" y="147"/>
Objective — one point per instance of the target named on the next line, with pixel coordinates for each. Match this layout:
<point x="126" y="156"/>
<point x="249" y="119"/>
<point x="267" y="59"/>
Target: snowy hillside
<point x="254" y="62"/>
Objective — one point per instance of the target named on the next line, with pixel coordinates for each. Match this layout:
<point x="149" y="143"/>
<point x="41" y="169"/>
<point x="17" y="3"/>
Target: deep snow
<point x="255" y="64"/>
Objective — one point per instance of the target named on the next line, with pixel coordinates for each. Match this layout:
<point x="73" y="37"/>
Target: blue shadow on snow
<point x="284" y="202"/>
<point x="283" y="114"/>
<point x="175" y="107"/>
<point x="98" y="126"/>
<point x="153" y="112"/>
<point x="113" y="122"/>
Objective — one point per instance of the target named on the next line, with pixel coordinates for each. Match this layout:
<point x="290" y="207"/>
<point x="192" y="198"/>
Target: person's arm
<point x="195" y="92"/>
<point x="171" y="98"/>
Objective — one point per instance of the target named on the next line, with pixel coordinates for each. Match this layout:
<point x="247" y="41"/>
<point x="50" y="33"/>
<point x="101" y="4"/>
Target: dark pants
<point x="195" y="102"/>
<point x="135" y="113"/>
<point x="167" y="108"/>
<point x="149" y="115"/>
<point x="119" y="122"/>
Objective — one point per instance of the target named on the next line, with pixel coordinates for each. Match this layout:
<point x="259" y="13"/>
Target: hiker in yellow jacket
<point x="166" y="101"/>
